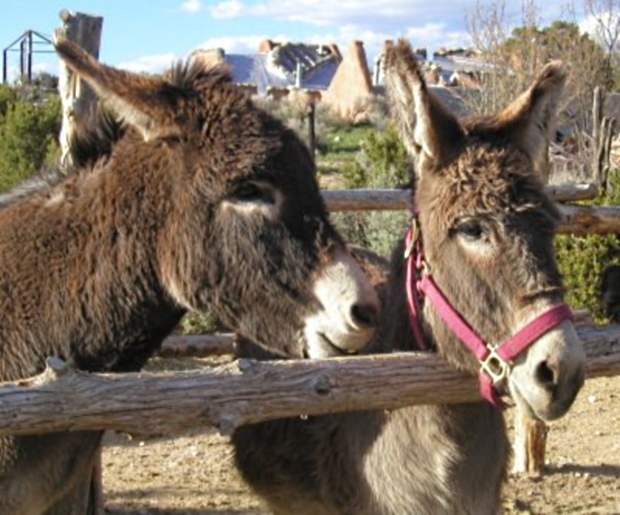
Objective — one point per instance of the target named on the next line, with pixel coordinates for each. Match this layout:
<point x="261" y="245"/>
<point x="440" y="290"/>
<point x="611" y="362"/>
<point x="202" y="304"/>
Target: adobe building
<point x="351" y="86"/>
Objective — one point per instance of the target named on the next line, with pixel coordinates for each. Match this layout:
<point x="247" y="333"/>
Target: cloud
<point x="330" y="13"/>
<point x="430" y="35"/>
<point x="375" y="19"/>
<point x="191" y="6"/>
<point x="236" y="45"/>
<point x="228" y="9"/>
<point x="12" y="73"/>
<point x="149" y="64"/>
<point x="315" y="12"/>
<point x="50" y="66"/>
<point x="437" y="35"/>
<point x="597" y="25"/>
<point x="371" y="21"/>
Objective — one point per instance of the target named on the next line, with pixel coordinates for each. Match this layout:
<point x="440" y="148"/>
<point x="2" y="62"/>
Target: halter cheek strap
<point x="495" y="361"/>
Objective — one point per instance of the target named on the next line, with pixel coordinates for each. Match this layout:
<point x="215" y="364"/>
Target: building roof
<point x="279" y="65"/>
<point x="255" y="69"/>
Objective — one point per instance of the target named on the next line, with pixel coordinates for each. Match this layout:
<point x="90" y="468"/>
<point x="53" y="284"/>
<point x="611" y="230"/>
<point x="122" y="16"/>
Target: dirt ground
<point x="194" y="474"/>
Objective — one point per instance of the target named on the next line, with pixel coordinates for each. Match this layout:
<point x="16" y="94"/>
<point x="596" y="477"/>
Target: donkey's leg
<point x="86" y="498"/>
<point x="96" y="499"/>
<point x="36" y="472"/>
<point x="78" y="500"/>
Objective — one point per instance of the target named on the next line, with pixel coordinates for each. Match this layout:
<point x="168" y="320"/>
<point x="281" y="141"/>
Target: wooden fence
<point x="248" y="391"/>
<point x="245" y="391"/>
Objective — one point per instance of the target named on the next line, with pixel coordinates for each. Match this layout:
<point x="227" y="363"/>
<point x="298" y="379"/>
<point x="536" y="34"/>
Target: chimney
<point x="335" y="51"/>
<point x="298" y="73"/>
<point x="266" y="46"/>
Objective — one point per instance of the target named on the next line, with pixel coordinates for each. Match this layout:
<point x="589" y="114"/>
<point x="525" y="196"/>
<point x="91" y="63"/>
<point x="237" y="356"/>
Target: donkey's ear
<point x="530" y="119"/>
<point x="147" y="103"/>
<point x="428" y="131"/>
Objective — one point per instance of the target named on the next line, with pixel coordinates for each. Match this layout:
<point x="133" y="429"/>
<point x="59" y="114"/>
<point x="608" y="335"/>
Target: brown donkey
<point x="485" y="230"/>
<point x="203" y="203"/>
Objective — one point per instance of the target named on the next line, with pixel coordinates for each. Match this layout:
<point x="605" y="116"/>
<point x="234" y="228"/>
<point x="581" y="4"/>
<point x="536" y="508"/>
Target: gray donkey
<point x="478" y="266"/>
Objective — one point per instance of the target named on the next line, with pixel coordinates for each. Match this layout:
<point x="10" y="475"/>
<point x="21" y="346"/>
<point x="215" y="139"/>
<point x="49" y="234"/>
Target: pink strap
<point x="414" y="317"/>
<point x="507" y="350"/>
<point x="534" y="330"/>
<point x="461" y="329"/>
<point x="452" y="319"/>
<point x="487" y="390"/>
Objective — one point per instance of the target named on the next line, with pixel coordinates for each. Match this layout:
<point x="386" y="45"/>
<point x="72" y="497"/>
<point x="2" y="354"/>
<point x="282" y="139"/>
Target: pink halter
<point x="495" y="361"/>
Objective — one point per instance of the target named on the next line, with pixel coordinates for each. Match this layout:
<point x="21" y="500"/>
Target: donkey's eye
<point x="470" y="230"/>
<point x="253" y="192"/>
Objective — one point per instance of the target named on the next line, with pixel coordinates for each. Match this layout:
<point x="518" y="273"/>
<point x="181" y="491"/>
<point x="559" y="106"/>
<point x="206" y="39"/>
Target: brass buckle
<point x="495" y="367"/>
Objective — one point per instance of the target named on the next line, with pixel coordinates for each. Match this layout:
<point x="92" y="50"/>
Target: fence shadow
<point x="608" y="470"/>
<point x="140" y="502"/>
<point x="178" y="511"/>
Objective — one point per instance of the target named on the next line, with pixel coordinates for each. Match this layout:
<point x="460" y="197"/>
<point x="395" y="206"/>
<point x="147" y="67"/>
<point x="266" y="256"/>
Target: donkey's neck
<point x="436" y="459"/>
<point x="416" y="460"/>
<point x="429" y="459"/>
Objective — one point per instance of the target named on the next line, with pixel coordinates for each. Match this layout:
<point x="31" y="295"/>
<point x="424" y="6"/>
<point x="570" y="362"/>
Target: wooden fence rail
<point x="62" y="399"/>
<point x="396" y="200"/>
<point x="197" y="345"/>
<point x="578" y="220"/>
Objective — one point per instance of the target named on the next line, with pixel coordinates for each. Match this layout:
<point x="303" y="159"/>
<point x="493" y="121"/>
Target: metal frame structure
<point x="26" y="46"/>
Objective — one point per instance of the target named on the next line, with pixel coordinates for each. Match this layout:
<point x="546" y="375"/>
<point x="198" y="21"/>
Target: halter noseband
<point x="495" y="360"/>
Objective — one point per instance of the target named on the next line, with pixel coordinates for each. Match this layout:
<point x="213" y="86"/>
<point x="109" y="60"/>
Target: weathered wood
<point x="597" y="116"/>
<point x="582" y="220"/>
<point x="530" y="444"/>
<point x="311" y="119"/>
<point x="197" y="346"/>
<point x="575" y="219"/>
<point x="367" y="200"/>
<point x="61" y="399"/>
<point x="79" y="102"/>
<point x="572" y="192"/>
<point x="607" y="140"/>
<point x="394" y="200"/>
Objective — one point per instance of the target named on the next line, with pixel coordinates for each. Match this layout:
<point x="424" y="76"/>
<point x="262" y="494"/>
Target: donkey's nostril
<point x="364" y="316"/>
<point x="545" y="375"/>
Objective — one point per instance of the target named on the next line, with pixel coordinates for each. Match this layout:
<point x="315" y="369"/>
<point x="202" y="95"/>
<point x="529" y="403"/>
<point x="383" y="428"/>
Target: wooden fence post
<point x="79" y="102"/>
<point x="311" y="117"/>
<point x="602" y="135"/>
<point x="530" y="445"/>
<point x="79" y="105"/>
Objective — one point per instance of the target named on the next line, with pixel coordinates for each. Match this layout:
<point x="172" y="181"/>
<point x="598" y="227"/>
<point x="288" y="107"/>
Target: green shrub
<point x="382" y="162"/>
<point x="583" y="258"/>
<point x="28" y="136"/>
<point x="199" y="323"/>
<point x="7" y="98"/>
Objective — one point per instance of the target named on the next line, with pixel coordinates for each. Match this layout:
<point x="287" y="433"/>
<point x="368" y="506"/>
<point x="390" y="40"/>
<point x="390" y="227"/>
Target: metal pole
<point x="29" y="55"/>
<point x="5" y="71"/>
<point x="22" y="59"/>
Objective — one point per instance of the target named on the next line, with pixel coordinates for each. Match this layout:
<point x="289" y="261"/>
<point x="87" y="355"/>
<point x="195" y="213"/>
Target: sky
<point x="148" y="35"/>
